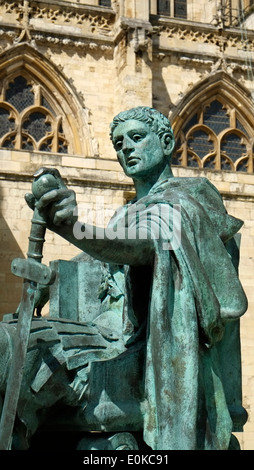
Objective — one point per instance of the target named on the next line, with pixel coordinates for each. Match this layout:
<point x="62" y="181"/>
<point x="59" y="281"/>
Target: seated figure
<point x="167" y="335"/>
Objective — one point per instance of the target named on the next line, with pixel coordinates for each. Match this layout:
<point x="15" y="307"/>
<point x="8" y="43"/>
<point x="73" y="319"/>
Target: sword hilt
<point x="46" y="179"/>
<point x="36" y="237"/>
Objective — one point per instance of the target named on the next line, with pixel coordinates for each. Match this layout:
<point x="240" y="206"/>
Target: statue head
<point x="158" y="123"/>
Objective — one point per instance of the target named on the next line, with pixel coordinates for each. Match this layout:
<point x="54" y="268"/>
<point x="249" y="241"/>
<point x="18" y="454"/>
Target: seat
<point x="116" y="386"/>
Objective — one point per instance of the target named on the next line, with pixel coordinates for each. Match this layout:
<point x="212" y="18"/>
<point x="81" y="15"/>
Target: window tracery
<point x="28" y="120"/>
<point x="215" y="137"/>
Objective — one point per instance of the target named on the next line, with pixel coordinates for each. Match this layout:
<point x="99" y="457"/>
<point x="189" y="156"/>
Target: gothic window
<point x="180" y="9"/>
<point x="28" y="120"/>
<point x="105" y="3"/>
<point x="174" y="8"/>
<point x="215" y="137"/>
<point x="163" y="7"/>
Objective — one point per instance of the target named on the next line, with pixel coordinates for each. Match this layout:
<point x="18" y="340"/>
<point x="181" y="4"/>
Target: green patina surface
<point x="143" y="332"/>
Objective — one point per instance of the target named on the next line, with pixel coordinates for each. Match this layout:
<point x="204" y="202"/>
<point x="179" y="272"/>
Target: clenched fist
<point x="51" y="197"/>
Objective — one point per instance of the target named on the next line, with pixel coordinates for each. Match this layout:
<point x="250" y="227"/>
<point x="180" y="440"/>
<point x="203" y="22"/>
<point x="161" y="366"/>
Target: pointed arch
<point x="213" y="125"/>
<point x="55" y="101"/>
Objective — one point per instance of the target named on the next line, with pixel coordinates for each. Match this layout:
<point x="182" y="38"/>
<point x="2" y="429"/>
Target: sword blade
<point x="17" y="364"/>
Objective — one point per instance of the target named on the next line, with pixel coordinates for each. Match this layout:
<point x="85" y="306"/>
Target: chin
<point x="131" y="171"/>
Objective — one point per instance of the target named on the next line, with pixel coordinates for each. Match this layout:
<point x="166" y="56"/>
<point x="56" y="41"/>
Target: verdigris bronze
<point x="162" y="356"/>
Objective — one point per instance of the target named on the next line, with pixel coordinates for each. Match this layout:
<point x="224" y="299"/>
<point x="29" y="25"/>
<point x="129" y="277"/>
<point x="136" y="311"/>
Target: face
<point x="139" y="150"/>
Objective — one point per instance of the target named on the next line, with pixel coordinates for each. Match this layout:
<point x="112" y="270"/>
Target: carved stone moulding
<point x="166" y="30"/>
<point x="61" y="18"/>
<point x="12" y="35"/>
<point x="79" y="16"/>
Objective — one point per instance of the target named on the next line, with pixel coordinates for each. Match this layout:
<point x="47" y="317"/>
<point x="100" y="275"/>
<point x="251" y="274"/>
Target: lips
<point x="132" y="160"/>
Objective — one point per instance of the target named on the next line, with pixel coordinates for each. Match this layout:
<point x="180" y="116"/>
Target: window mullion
<point x="250" y="168"/>
<point x="172" y="8"/>
<point x="233" y="118"/>
<point x="18" y="137"/>
<point x="218" y="153"/>
<point x="55" y="127"/>
<point x="37" y="95"/>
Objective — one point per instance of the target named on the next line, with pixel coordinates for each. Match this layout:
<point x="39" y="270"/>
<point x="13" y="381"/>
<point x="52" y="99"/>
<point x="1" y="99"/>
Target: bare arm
<point x="58" y="208"/>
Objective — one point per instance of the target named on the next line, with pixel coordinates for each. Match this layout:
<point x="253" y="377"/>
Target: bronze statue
<point x="171" y="254"/>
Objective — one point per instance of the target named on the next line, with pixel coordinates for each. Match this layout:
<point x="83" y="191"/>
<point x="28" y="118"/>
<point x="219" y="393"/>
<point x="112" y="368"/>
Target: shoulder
<point x="191" y="184"/>
<point x="197" y="188"/>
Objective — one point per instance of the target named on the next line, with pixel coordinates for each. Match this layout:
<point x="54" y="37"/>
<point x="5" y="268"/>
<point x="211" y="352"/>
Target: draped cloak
<point x="193" y="363"/>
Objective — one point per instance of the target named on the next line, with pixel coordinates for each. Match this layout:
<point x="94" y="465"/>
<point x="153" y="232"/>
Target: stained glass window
<point x="7" y="123"/>
<point x="19" y="94"/>
<point x="200" y="143"/>
<point x="28" y="120"/>
<point x="192" y="122"/>
<point x="210" y="162"/>
<point x="9" y="142"/>
<point x="47" y="145"/>
<point x="46" y="105"/>
<point x="215" y="116"/>
<point x="192" y="160"/>
<point x="37" y="125"/>
<point x="233" y="146"/>
<point x="215" y="137"/>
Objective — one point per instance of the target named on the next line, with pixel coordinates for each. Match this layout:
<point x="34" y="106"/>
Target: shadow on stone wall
<point x="161" y="98"/>
<point x="10" y="285"/>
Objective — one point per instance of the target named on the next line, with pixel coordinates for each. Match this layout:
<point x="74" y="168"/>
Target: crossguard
<point x="33" y="271"/>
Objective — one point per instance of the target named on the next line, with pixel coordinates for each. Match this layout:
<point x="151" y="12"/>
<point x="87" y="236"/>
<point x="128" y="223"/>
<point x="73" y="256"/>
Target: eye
<point x="137" y="137"/>
<point x="118" y="144"/>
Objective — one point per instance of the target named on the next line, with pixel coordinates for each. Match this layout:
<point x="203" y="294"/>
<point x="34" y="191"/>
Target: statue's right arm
<point x="59" y="209"/>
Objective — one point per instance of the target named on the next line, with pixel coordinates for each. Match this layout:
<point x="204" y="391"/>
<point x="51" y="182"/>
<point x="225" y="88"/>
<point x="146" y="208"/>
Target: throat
<point x="144" y="185"/>
<point x="142" y="188"/>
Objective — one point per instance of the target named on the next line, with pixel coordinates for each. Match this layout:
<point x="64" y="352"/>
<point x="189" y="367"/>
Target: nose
<point x="127" y="146"/>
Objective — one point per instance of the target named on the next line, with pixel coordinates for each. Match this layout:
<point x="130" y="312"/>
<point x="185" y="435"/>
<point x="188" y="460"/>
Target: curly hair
<point x="157" y="121"/>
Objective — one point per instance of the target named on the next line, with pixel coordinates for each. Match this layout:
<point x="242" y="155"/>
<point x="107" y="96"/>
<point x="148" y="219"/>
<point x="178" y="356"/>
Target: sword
<point x="33" y="273"/>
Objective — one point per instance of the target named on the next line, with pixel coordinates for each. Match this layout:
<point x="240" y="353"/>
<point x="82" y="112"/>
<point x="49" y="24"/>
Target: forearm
<point x="58" y="208"/>
<point x="107" y="246"/>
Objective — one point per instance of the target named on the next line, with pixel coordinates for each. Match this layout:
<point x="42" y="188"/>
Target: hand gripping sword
<point x="33" y="273"/>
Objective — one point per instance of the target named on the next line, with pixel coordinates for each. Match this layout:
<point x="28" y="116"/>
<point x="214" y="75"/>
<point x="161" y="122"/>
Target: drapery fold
<point x="195" y="291"/>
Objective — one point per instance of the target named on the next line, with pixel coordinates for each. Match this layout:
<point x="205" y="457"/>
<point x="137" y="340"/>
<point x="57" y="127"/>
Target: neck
<point x="143" y="186"/>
